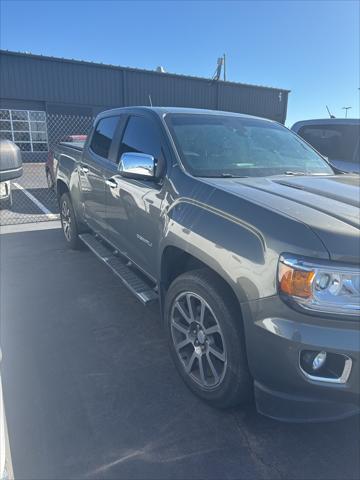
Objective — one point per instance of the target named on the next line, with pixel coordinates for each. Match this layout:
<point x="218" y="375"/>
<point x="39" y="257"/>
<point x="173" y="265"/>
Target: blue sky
<point x="308" y="47"/>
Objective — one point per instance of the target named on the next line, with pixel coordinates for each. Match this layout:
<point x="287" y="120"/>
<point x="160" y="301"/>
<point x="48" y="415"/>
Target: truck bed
<point x="75" y="145"/>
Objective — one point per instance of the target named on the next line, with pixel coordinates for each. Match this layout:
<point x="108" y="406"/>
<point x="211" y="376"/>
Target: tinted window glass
<point x="337" y="142"/>
<point x="218" y="146"/>
<point x="141" y="136"/>
<point x="103" y="135"/>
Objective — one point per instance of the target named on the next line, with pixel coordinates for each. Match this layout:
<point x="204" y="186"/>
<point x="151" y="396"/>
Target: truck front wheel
<point x="68" y="222"/>
<point x="206" y="338"/>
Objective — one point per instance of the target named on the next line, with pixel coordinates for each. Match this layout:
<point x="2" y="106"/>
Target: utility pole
<point x="346" y="110"/>
<point x="220" y="65"/>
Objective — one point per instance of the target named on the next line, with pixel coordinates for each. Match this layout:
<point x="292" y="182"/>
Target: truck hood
<point x="329" y="205"/>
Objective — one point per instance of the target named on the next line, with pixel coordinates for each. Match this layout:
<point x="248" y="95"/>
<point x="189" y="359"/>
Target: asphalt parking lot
<point x="90" y="390"/>
<point x="33" y="201"/>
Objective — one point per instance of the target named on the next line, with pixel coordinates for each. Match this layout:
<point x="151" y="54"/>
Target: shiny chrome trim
<point x="111" y="182"/>
<point x="306" y="264"/>
<point x="137" y="165"/>
<point x="11" y="170"/>
<point x="340" y="380"/>
<point x="126" y="256"/>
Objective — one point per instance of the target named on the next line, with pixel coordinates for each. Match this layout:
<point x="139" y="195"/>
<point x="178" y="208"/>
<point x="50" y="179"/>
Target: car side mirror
<point x="10" y="161"/>
<point x="137" y="165"/>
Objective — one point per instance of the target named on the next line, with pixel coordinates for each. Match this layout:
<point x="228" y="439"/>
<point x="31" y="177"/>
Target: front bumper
<point x="275" y="336"/>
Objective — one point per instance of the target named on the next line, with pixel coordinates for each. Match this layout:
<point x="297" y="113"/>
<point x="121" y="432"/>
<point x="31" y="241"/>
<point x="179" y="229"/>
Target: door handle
<point x="84" y="169"/>
<point x="111" y="182"/>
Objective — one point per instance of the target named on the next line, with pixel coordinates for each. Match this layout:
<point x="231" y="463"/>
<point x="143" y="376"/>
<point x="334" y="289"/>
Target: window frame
<point x="109" y="157"/>
<point x="126" y="123"/>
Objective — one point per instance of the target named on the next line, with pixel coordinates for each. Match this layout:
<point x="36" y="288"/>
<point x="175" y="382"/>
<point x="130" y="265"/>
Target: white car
<point x="10" y="168"/>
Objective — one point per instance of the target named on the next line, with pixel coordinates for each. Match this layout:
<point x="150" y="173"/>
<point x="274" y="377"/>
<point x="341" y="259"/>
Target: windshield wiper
<point x="223" y="175"/>
<point x="289" y="172"/>
<point x="301" y="174"/>
<point x="230" y="175"/>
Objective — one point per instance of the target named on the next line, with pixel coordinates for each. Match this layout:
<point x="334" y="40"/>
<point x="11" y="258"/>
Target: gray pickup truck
<point x="248" y="239"/>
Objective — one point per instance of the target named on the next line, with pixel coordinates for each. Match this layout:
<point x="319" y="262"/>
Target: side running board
<point x="144" y="292"/>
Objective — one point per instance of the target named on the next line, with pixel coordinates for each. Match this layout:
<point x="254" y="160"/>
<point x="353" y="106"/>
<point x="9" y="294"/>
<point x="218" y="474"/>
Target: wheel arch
<point x="176" y="261"/>
<point x="61" y="188"/>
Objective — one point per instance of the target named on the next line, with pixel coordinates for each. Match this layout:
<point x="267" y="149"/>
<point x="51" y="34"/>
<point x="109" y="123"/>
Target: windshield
<point x="338" y="142"/>
<point x="220" y="145"/>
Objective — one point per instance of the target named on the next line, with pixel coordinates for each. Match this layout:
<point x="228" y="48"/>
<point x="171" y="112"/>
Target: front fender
<point x="242" y="243"/>
<point x="214" y="238"/>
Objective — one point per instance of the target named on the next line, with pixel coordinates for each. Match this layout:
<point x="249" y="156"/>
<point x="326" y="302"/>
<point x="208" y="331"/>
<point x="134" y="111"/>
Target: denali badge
<point x="148" y="243"/>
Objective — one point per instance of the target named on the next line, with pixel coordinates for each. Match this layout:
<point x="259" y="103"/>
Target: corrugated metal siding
<point x="169" y="91"/>
<point x="52" y="80"/>
<point x="253" y="101"/>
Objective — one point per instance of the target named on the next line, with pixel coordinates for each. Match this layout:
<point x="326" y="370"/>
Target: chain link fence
<point x="33" y="195"/>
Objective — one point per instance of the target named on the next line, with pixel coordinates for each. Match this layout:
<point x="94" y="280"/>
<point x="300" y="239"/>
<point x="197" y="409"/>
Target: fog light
<point x="319" y="360"/>
<point x="325" y="366"/>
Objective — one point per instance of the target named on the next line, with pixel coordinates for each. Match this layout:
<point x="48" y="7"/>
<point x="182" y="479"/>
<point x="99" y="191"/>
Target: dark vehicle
<point x="247" y="238"/>
<point x="51" y="166"/>
<point x="10" y="169"/>
<point x="338" y="139"/>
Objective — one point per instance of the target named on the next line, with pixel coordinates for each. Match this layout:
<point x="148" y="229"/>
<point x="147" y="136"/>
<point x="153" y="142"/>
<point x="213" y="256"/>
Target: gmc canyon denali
<point x="248" y="238"/>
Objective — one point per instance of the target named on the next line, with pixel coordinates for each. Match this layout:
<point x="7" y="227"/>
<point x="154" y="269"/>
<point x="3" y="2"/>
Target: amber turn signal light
<point x="296" y="283"/>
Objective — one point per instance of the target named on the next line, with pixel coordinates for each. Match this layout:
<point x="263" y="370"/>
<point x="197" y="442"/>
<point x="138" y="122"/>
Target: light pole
<point x="346" y="110"/>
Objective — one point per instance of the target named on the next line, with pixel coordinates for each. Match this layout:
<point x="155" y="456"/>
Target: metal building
<point x="35" y="88"/>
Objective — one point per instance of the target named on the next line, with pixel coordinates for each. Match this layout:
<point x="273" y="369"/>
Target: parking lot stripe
<point x="30" y="227"/>
<point x="50" y="216"/>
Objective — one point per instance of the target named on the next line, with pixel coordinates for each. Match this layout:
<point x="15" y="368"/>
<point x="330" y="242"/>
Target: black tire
<point x="69" y="223"/>
<point x="234" y="384"/>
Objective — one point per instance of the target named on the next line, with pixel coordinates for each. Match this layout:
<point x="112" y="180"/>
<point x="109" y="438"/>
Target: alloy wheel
<point x="66" y="220"/>
<point x="198" y="340"/>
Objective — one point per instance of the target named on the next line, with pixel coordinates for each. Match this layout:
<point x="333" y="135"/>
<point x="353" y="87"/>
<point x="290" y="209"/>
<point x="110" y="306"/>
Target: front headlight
<point x="323" y="286"/>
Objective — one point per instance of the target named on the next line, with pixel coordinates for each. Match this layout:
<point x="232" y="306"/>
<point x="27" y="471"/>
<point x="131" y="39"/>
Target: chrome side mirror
<point x="137" y="165"/>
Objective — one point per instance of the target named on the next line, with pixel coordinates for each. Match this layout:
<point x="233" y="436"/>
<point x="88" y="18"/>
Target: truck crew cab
<point x="248" y="239"/>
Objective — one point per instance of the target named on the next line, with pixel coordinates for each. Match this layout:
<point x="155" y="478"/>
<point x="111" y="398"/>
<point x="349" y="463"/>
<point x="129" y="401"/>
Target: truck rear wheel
<point x="206" y="339"/>
<point x="68" y="222"/>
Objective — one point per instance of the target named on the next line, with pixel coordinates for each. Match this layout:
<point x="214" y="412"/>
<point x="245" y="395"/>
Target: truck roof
<point x="182" y="110"/>
<point x="327" y="121"/>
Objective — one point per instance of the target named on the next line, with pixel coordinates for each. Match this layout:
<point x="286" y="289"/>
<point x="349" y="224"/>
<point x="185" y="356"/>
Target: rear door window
<point x="104" y="135"/>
